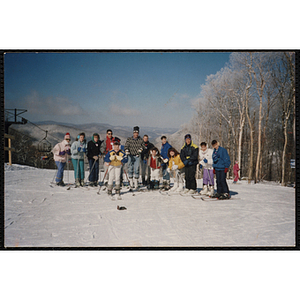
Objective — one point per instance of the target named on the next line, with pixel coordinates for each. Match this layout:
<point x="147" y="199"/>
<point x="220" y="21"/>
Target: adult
<point x="133" y="148"/>
<point x="78" y="149"/>
<point x="221" y="163"/>
<point x="93" y="154"/>
<point x="189" y="157"/>
<point x="165" y="146"/>
<point x="107" y="145"/>
<point x="145" y="169"/>
<point x="60" y="153"/>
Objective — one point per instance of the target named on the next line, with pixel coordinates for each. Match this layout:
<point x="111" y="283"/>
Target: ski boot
<point x="204" y="190"/>
<point x="224" y="196"/>
<point x="216" y="195"/>
<point x="211" y="191"/>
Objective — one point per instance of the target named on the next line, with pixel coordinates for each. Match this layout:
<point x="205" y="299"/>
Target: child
<point x="221" y="163"/>
<point x="236" y="172"/>
<point x="60" y="153"/>
<point x="189" y="156"/>
<point x="115" y="158"/>
<point x="154" y="161"/>
<point x="205" y="157"/>
<point x="176" y="167"/>
<point x="78" y="149"/>
<point x="93" y="154"/>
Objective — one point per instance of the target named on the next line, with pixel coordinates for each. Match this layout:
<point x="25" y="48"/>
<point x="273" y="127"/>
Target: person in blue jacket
<point x="221" y="163"/>
<point x="164" y="167"/>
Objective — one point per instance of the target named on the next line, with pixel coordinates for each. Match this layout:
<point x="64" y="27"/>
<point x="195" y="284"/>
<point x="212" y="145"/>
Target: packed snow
<point x="38" y="214"/>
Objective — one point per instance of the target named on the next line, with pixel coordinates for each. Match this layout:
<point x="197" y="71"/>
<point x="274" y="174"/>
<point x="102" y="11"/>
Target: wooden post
<point x="9" y="148"/>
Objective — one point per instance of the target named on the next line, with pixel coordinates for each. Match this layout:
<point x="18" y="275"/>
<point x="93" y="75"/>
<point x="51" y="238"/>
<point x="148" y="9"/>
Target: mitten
<point x="84" y="150"/>
<point x="200" y="166"/>
<point x="145" y="161"/>
<point x="226" y="170"/>
<point x="165" y="160"/>
<point x="185" y="162"/>
<point x="95" y="157"/>
<point x="205" y="160"/>
<point x="214" y="171"/>
<point x="68" y="152"/>
<point x="127" y="152"/>
<point x="79" y="149"/>
<point x="112" y="157"/>
<point x="62" y="153"/>
<point x="119" y="157"/>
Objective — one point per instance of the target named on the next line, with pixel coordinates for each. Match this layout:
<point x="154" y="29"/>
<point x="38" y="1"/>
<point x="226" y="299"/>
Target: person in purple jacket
<point x="221" y="163"/>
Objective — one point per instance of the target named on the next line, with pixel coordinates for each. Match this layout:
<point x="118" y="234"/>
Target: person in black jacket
<point x="145" y="169"/>
<point x="189" y="156"/>
<point x="94" y="150"/>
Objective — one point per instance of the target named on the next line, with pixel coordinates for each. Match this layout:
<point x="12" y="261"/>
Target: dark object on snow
<point x="121" y="207"/>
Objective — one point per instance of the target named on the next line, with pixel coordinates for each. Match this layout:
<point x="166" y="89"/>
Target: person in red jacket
<point x="236" y="172"/>
<point x="108" y="145"/>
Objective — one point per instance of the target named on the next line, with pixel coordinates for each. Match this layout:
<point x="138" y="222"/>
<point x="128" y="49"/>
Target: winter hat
<point x="116" y="139"/>
<point x="116" y="143"/>
<point x="67" y="136"/>
<point x="187" y="136"/>
<point x="136" y="129"/>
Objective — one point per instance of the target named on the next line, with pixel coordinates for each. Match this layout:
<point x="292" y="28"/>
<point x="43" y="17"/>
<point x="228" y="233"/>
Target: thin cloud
<point x="58" y="106"/>
<point x="120" y="110"/>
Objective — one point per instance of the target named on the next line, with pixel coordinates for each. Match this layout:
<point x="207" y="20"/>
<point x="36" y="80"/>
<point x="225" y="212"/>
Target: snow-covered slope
<point x="38" y="215"/>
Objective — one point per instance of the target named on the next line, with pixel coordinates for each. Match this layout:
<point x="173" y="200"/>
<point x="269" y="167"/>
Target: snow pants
<point x="208" y="177"/>
<point x="94" y="170"/>
<point x="60" y="171"/>
<point x="165" y="173"/>
<point x="154" y="174"/>
<point x="190" y="177"/>
<point x="133" y="166"/>
<point x="78" y="165"/>
<point x="236" y="178"/>
<point x="114" y="175"/>
<point x="145" y="170"/>
<point x="222" y="186"/>
<point x="179" y="176"/>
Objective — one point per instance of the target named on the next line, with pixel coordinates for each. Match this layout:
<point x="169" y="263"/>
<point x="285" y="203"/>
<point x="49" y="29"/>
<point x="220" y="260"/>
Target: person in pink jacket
<point x="60" y="153"/>
<point x="236" y="172"/>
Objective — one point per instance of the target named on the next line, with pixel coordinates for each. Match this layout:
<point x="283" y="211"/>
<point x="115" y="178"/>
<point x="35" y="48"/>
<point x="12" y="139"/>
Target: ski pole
<point x="103" y="180"/>
<point x="92" y="168"/>
<point x="126" y="175"/>
<point x="55" y="175"/>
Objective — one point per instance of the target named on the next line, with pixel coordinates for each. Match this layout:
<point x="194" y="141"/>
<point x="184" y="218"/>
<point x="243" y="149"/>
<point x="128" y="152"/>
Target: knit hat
<point x="136" y="129"/>
<point x="187" y="136"/>
<point x="67" y="136"/>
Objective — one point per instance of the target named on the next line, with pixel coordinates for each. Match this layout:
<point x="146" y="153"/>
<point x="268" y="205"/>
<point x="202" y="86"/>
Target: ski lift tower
<point x="12" y="116"/>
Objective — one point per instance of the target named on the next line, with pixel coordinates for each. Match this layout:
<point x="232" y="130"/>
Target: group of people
<point x="144" y="159"/>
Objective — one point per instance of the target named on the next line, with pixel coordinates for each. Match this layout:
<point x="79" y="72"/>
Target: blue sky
<point x="144" y="89"/>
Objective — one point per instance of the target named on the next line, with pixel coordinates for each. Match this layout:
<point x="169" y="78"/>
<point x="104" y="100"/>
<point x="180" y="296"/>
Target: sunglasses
<point x="68" y="139"/>
<point x="109" y="134"/>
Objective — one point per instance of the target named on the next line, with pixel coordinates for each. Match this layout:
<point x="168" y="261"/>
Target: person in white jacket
<point x="60" y="153"/>
<point x="205" y="158"/>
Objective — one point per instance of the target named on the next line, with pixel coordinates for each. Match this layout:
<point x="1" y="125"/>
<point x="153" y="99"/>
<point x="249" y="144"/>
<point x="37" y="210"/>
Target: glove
<point x="68" y="152"/>
<point x="168" y="170"/>
<point x="175" y="167"/>
<point x="226" y="170"/>
<point x="112" y="157"/>
<point x="140" y="150"/>
<point x="62" y="153"/>
<point x="127" y="152"/>
<point x="79" y="149"/>
<point x="145" y="161"/>
<point x="190" y="163"/>
<point x="119" y="157"/>
<point x="214" y="171"/>
<point x="205" y="160"/>
<point x="200" y="166"/>
<point x="84" y="150"/>
<point x="165" y="160"/>
<point x="185" y="162"/>
<point x="95" y="157"/>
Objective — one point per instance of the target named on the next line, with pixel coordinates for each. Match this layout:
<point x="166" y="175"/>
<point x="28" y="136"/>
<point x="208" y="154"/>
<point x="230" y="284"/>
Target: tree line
<point x="249" y="107"/>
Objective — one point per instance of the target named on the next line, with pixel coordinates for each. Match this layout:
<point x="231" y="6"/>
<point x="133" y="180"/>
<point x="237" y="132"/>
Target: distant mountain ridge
<point x="57" y="131"/>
